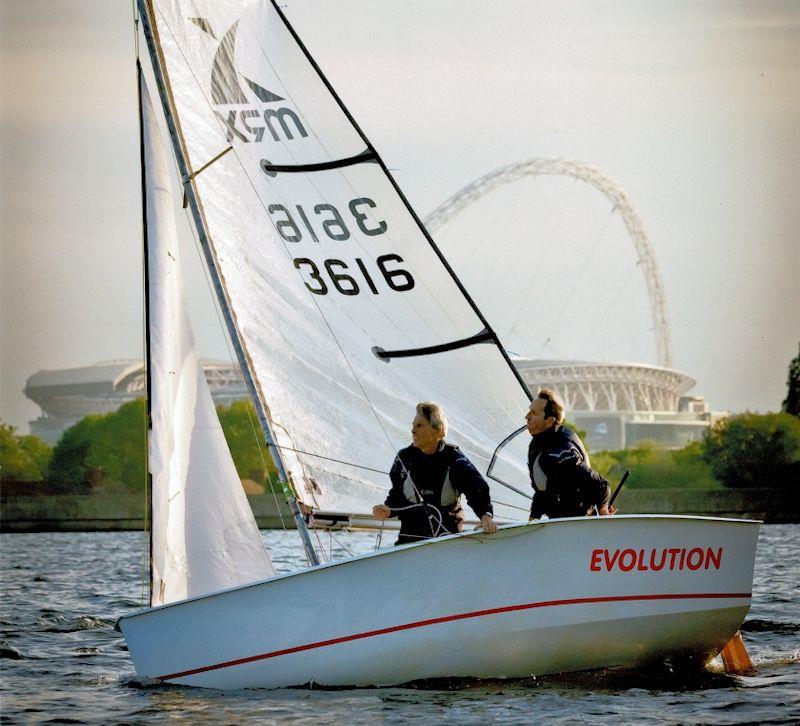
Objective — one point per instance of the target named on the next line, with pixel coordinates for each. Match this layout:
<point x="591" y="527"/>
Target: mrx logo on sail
<point x="249" y="112"/>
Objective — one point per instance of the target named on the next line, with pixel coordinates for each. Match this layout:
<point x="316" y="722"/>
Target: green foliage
<point x="22" y="458"/>
<point x="792" y="402"/>
<point x="655" y="467"/>
<point x="118" y="447"/>
<point x="107" y="451"/>
<point x="246" y="442"/>
<point x="755" y="450"/>
<point x="69" y="468"/>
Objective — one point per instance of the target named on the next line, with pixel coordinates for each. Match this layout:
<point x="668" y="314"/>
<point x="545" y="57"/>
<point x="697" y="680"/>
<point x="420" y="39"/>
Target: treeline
<point x="107" y="452"/>
<point x="104" y="452"/>
<point x="746" y="450"/>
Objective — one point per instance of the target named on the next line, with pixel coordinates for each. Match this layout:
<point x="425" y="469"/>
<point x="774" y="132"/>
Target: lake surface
<point x="63" y="662"/>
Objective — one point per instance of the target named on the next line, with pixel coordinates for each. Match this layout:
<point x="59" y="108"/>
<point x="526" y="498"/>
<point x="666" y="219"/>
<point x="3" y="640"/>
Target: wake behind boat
<point x="343" y="314"/>
<point x="555" y="596"/>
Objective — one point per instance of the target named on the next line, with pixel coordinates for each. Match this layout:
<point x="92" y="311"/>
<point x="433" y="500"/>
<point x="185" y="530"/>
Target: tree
<point x="22" y="458"/>
<point x="101" y="451"/>
<point x="792" y="403"/>
<point x="119" y="446"/>
<point x="753" y="450"/>
<point x="69" y="470"/>
<point x="655" y="467"/>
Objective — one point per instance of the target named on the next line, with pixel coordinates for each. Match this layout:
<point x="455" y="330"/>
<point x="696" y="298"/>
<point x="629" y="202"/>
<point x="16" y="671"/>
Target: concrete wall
<point x="125" y="512"/>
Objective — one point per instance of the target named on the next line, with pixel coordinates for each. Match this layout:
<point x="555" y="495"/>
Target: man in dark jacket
<point x="565" y="485"/>
<point x="428" y="479"/>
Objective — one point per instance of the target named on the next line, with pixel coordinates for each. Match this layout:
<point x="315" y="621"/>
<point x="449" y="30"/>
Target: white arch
<point x="556" y="166"/>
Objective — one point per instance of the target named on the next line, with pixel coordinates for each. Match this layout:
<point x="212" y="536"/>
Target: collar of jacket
<point x="552" y="433"/>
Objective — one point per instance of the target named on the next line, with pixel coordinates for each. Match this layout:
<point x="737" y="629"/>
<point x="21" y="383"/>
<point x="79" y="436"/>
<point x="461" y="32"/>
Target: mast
<point x="147" y="366"/>
<point x="219" y="288"/>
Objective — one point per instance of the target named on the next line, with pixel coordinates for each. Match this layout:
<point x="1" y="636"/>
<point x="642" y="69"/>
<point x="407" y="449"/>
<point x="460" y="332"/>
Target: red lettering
<point x="610" y="562"/>
<point x="711" y="558"/>
<point x="660" y="565"/>
<point x="673" y="551"/>
<point x="629" y="566"/>
<point x="695" y="563"/>
<point x="672" y="558"/>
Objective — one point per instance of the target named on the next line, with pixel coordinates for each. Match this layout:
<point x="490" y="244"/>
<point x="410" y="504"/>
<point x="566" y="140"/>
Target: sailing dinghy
<point x="343" y="314"/>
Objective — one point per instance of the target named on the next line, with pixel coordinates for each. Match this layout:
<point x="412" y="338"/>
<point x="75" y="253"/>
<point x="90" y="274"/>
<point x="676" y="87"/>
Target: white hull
<point x="556" y="596"/>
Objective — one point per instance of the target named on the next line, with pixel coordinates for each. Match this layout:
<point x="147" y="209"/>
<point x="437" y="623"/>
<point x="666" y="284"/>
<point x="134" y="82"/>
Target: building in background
<point x="65" y="396"/>
<point x="622" y="404"/>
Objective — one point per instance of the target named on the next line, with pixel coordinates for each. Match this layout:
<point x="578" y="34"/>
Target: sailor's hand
<point x="381" y="511"/>
<point x="488" y="524"/>
<point x="606" y="510"/>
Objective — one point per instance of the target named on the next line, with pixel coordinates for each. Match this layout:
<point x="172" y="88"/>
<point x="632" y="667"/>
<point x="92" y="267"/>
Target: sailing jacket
<point x="426" y="492"/>
<point x="564" y="483"/>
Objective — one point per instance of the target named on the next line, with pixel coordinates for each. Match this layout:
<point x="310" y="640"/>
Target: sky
<point x="692" y="108"/>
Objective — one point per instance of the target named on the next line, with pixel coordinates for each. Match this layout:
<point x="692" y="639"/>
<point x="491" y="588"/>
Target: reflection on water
<point x="62" y="660"/>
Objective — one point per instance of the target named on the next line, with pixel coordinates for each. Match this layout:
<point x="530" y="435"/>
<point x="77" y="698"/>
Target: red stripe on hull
<point x="449" y="618"/>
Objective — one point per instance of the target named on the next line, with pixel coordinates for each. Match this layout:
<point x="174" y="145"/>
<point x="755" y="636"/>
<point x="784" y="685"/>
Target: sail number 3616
<point x="396" y="278"/>
<point x="320" y="277"/>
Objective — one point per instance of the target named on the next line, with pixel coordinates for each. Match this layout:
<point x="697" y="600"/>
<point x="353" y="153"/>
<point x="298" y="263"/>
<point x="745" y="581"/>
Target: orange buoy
<point x="735" y="657"/>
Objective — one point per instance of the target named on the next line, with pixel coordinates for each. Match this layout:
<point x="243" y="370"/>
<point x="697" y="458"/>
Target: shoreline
<point x="123" y="513"/>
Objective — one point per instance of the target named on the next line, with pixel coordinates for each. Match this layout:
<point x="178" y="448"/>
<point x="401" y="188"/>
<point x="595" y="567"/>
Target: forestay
<point x="323" y="264"/>
<point x="204" y="535"/>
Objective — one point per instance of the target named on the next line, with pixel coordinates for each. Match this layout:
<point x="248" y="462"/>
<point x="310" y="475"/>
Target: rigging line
<point x="626" y="340"/>
<point x="577" y="280"/>
<point x="329" y="458"/>
<point x="406" y="203"/>
<point x="258" y="197"/>
<point x="619" y="289"/>
<point x="510" y="506"/>
<point x="553" y="222"/>
<point x="614" y="287"/>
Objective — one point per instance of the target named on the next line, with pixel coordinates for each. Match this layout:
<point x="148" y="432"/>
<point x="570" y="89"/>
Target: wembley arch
<point x="557" y="166"/>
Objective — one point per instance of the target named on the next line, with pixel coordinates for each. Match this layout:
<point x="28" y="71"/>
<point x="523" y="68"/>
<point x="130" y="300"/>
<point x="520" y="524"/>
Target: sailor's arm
<point x="395" y="499"/>
<point x="467" y="479"/>
<point x="572" y="467"/>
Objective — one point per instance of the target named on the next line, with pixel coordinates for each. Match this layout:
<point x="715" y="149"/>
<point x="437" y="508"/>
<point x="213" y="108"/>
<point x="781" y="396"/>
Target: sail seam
<point x="455" y="617"/>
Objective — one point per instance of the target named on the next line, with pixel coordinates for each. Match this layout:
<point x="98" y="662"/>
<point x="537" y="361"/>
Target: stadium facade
<point x="622" y="404"/>
<point x="67" y="395"/>
<point x="617" y="404"/>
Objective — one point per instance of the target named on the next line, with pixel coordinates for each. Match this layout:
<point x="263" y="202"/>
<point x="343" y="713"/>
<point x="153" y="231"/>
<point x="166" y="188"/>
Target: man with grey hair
<point x="564" y="483"/>
<point x="428" y="479"/>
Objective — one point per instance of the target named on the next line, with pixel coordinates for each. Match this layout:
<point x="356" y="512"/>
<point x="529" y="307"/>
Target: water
<point x="62" y="661"/>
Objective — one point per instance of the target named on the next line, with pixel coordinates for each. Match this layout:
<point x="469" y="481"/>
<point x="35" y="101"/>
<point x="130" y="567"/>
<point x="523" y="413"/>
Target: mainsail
<point x="346" y="313"/>
<point x="204" y="535"/>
